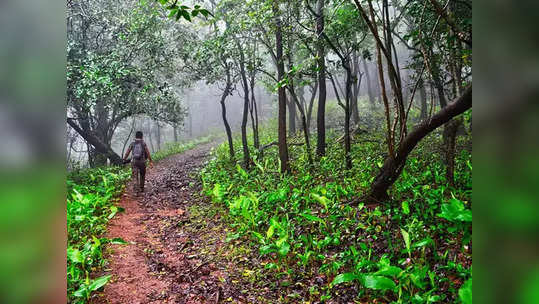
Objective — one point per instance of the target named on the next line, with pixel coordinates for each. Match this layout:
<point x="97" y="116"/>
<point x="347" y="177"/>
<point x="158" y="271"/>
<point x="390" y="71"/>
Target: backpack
<point x="139" y="153"/>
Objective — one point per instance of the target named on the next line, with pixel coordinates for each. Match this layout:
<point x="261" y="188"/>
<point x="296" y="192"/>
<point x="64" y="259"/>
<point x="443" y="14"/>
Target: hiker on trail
<point x="138" y="161"/>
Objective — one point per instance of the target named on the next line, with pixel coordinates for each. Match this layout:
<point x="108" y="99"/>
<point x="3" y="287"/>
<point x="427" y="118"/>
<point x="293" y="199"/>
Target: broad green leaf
<point x="392" y="271"/>
<point x="378" y="282"/>
<point x="344" y="277"/>
<point x="406" y="237"/>
<point x="465" y="292"/>
<point x="99" y="282"/>
<point x="455" y="211"/>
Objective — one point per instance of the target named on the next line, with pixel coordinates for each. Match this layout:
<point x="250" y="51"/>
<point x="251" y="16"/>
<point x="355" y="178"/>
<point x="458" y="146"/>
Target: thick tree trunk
<point x="321" y="115"/>
<point x="394" y="164"/>
<point x="99" y="145"/>
<point x="283" y="147"/>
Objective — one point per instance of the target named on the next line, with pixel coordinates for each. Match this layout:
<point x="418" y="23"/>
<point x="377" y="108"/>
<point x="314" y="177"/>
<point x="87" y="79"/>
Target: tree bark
<point x="311" y="104"/>
<point x="369" y="86"/>
<point x="175" y="131"/>
<point x="91" y="138"/>
<point x="291" y="117"/>
<point x="225" y="121"/>
<point x="254" y="113"/>
<point x="283" y="148"/>
<point x="158" y="136"/>
<point x="321" y="115"/>
<point x="394" y="164"/>
<point x="243" y="73"/>
<point x="355" y="88"/>
<point x="423" y="100"/>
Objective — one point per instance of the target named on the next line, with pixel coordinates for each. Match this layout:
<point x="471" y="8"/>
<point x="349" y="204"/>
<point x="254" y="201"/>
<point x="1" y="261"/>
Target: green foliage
<point x="455" y="211"/>
<point x="177" y="10"/>
<point x="90" y="205"/>
<point x="304" y="222"/>
<point x="176" y="147"/>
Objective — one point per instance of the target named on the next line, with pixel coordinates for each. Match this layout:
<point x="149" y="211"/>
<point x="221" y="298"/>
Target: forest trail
<point x="174" y="251"/>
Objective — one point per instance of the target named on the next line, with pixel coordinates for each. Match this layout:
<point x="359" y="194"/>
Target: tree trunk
<point x="291" y="117"/>
<point x="321" y="115"/>
<point x="347" y="145"/>
<point x="369" y="85"/>
<point x="311" y="104"/>
<point x="225" y="122"/>
<point x="254" y="114"/>
<point x="158" y="136"/>
<point x="355" y="89"/>
<point x="295" y="99"/>
<point x="99" y="146"/>
<point x="393" y="165"/>
<point x="283" y="148"/>
<point x="450" y="136"/>
<point x="423" y="99"/>
<point x="175" y="131"/>
<point x="246" y="156"/>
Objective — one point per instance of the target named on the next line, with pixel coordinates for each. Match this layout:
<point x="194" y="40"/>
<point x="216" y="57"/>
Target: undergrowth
<point x="91" y="195"/>
<point x="91" y="198"/>
<point x="314" y="231"/>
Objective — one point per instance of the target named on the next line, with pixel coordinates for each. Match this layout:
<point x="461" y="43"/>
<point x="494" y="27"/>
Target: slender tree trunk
<point x="423" y="99"/>
<point x="158" y="136"/>
<point x="393" y="165"/>
<point x="283" y="147"/>
<point x="321" y="115"/>
<point x="225" y="121"/>
<point x="450" y="136"/>
<point x="355" y="89"/>
<point x="246" y="156"/>
<point x="369" y="85"/>
<point x="175" y="131"/>
<point x="347" y="144"/>
<point x="291" y="117"/>
<point x="295" y="99"/>
<point x="311" y="104"/>
<point x="254" y="114"/>
<point x="128" y="136"/>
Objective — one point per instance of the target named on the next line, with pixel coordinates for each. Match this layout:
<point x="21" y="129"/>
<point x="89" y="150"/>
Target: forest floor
<point x="176" y="251"/>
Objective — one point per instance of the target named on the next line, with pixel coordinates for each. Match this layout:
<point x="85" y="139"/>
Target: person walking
<point x="140" y="153"/>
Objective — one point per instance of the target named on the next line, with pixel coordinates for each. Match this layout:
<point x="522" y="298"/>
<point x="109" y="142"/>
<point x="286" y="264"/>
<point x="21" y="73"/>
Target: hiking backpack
<point x="138" y="150"/>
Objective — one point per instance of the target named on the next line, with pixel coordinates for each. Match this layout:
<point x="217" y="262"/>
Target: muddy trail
<point x="176" y="251"/>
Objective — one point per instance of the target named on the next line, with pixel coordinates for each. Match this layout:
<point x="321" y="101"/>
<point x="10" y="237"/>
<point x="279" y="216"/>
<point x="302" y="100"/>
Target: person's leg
<point x="135" y="176"/>
<point x="142" y="169"/>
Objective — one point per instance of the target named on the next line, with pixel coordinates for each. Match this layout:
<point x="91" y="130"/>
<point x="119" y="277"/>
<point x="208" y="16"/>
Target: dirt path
<point x="177" y="251"/>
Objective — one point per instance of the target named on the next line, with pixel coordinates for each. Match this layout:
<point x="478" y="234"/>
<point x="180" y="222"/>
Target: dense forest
<point x="308" y="151"/>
